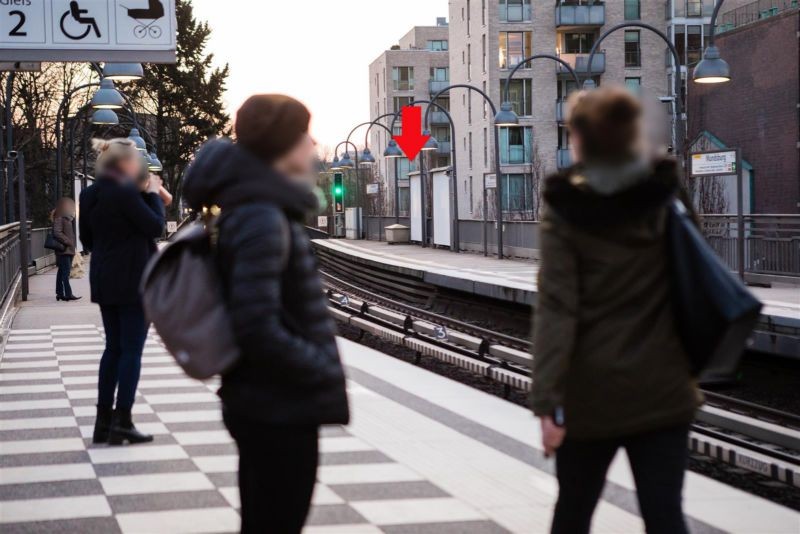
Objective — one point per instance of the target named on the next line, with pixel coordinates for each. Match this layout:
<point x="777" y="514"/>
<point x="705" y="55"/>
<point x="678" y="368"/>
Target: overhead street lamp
<point x="107" y="96"/>
<point x="498" y="175"/>
<point x="712" y="68"/>
<point x="123" y="72"/>
<point x="678" y="127"/>
<point x="105" y="117"/>
<point x="507" y="116"/>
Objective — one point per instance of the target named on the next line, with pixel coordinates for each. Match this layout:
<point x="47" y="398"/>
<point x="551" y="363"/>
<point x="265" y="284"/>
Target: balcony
<point x="561" y="110"/>
<point x="438" y="117"/>
<point x="563" y="158"/>
<point x="444" y="148"/>
<point x="435" y="86"/>
<point x="580" y="62"/>
<point x="573" y="16"/>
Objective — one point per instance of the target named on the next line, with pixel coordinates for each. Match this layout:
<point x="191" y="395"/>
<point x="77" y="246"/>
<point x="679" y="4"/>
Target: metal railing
<point x="580" y="15"/>
<point x="10" y="253"/>
<point x="580" y="62"/>
<point x="771" y="247"/>
<point x="753" y="12"/>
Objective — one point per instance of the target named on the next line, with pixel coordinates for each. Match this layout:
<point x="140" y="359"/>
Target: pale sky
<point x="317" y="51"/>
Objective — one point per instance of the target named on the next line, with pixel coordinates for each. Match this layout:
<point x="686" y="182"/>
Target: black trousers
<point x="658" y="461"/>
<point x="277" y="472"/>
<point x="121" y="363"/>
<point x="64" y="264"/>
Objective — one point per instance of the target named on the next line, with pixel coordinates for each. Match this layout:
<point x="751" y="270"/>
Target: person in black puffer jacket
<point x="289" y="380"/>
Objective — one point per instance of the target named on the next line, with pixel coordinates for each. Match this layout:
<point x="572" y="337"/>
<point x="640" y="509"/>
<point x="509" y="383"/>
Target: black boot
<point x="101" y="425"/>
<point x="122" y="430"/>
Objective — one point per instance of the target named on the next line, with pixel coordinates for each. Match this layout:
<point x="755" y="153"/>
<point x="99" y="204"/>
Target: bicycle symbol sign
<point x="88" y="30"/>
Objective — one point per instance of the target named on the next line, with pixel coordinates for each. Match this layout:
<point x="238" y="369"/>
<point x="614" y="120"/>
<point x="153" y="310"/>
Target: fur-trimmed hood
<point x="571" y="196"/>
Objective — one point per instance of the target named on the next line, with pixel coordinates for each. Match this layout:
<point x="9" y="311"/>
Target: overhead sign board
<point x="142" y="31"/>
<point x="716" y="163"/>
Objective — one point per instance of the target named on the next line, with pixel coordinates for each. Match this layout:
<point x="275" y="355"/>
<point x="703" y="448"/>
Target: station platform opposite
<point x="422" y="455"/>
<point x="514" y="280"/>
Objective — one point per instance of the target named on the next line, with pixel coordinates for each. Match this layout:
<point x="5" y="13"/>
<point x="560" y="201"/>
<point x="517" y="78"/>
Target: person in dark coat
<point x="64" y="233"/>
<point x="609" y="368"/>
<point x="289" y="380"/>
<point x="121" y="215"/>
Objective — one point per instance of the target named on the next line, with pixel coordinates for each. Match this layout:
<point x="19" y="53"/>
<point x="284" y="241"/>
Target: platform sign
<point x="172" y="226"/>
<point x="373" y="189"/>
<point x="322" y="221"/>
<point x="716" y="163"/>
<point x="142" y="31"/>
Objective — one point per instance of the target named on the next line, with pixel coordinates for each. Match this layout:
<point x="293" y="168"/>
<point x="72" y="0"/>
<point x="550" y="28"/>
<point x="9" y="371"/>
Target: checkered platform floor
<point x="52" y="479"/>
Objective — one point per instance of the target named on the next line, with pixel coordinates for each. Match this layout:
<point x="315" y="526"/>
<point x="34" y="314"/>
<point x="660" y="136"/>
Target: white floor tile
<point x="410" y="511"/>
<point x="36" y="422"/>
<point x="29" y="346"/>
<point x="191" y="417"/>
<point x="86" y="411"/>
<point x="155" y="483"/>
<point x="35" y="388"/>
<point x="65" y="340"/>
<point x="72" y="367"/>
<point x="228" y="463"/>
<point x="173" y="383"/>
<point x="324" y="495"/>
<point x="51" y="473"/>
<point x="54" y="509"/>
<point x="8" y="356"/>
<point x="25" y="331"/>
<point x="140" y="453"/>
<point x="180" y="521"/>
<point x="33" y="446"/>
<point x="365" y="473"/>
<point x="180" y="398"/>
<point x="61" y="327"/>
<point x="148" y="428"/>
<point x="34" y="337"/>
<point x="60" y="334"/>
<point x="44" y="375"/>
<point x="95" y="357"/>
<point x="344" y="444"/>
<point x="66" y="347"/>
<point x="342" y="529"/>
<point x="10" y="406"/>
<point x="26" y="364"/>
<point x="207" y="437"/>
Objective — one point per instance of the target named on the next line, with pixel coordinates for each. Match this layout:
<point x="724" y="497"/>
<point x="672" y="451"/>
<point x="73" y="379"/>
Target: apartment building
<point x="414" y="69"/>
<point x="490" y="37"/>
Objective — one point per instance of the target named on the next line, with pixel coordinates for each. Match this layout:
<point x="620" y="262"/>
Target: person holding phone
<point x="121" y="216"/>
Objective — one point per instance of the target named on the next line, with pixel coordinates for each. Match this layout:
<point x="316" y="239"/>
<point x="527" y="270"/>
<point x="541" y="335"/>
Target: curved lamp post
<point x="506" y="116"/>
<point x="678" y="126"/>
<point x="498" y="175"/>
<point x="712" y="68"/>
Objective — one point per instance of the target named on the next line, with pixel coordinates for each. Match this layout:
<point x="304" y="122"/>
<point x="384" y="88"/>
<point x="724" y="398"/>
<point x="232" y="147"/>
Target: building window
<point x="520" y="94"/>
<point x="483" y="52"/>
<point x="634" y="85"/>
<point x="694" y="44"/>
<point x="469" y="16"/>
<point x="405" y="166"/>
<point x="399" y="102"/>
<point x="515" y="145"/>
<point x="403" y="78"/>
<point x="515" y="10"/>
<point x="403" y="201"/>
<point x="469" y="61"/>
<point x="483" y="12"/>
<point x="441" y="134"/>
<point x="633" y="10"/>
<point x="471" y="198"/>
<point x="633" y="52"/>
<point x="485" y="148"/>
<point x="440" y="74"/>
<point x="514" y="48"/>
<point x="438" y="45"/>
<point x="470" y="150"/>
<point x="694" y="8"/>
<point x="578" y="43"/>
<point x="517" y="195"/>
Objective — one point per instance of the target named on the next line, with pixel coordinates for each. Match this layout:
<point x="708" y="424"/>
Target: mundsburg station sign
<point x="141" y="31"/>
<point x="716" y="163"/>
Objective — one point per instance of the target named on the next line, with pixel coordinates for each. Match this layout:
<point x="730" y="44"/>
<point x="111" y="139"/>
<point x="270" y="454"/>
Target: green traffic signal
<point x="337" y="190"/>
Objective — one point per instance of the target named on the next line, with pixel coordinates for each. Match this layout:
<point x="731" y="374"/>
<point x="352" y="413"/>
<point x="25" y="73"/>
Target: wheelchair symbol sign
<point x="80" y="21"/>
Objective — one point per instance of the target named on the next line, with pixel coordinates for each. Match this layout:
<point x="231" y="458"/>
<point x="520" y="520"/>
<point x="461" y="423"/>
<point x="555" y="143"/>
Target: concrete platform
<point x="514" y="280"/>
<point x="423" y="454"/>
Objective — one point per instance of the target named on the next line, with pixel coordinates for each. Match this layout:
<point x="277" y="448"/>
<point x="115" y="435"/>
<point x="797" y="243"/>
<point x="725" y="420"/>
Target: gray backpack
<point x="182" y="296"/>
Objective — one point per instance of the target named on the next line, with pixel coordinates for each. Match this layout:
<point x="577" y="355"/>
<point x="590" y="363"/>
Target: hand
<point x="552" y="435"/>
<point x="153" y="184"/>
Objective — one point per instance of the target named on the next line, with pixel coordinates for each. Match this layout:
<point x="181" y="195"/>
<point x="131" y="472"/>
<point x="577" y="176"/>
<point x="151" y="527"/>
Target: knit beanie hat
<point x="270" y="125"/>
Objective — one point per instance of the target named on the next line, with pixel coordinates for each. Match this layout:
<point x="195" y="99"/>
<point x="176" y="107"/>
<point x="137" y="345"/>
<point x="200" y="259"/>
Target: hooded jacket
<point x="605" y="345"/>
<point x="289" y="372"/>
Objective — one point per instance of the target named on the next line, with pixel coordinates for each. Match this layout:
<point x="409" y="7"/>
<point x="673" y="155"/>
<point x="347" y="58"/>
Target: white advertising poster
<point x="415" y="208"/>
<point x="88" y="30"/>
<point x="714" y="163"/>
<point x="442" y="202"/>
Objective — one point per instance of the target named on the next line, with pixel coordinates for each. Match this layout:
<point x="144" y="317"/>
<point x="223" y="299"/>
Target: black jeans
<point x="64" y="264"/>
<point x="121" y="363"/>
<point x="277" y="471"/>
<point x="658" y="461"/>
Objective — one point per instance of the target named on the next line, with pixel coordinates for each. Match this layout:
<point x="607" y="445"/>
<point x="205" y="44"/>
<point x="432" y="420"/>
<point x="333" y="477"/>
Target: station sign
<point x="322" y="221"/>
<point x="373" y="189"/>
<point x="490" y="181"/>
<point x="172" y="226"/>
<point x="141" y="31"/>
<point x="716" y="163"/>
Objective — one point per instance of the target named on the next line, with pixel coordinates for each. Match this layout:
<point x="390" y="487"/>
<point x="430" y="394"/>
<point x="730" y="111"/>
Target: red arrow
<point x="412" y="140"/>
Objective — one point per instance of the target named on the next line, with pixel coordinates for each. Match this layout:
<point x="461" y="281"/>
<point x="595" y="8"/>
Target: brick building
<point x="759" y="110"/>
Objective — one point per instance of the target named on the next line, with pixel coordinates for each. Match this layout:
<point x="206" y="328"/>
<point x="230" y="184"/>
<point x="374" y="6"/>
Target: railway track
<point x="729" y="430"/>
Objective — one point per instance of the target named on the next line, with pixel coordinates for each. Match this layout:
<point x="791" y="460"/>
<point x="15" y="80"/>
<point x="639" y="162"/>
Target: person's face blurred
<point x="131" y="168"/>
<point x="298" y="163"/>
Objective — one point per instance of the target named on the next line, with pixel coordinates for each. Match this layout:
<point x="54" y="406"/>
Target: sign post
<point x="725" y="163"/>
<point x="141" y="31"/>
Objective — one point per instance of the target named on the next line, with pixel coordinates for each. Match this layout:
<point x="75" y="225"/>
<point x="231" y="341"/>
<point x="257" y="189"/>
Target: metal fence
<point x="752" y="12"/>
<point x="772" y="242"/>
<point x="10" y="253"/>
<point x="771" y="247"/>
